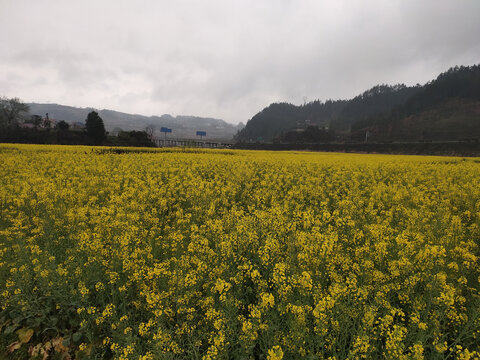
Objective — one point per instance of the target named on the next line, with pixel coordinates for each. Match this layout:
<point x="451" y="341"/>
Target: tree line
<point x="18" y="125"/>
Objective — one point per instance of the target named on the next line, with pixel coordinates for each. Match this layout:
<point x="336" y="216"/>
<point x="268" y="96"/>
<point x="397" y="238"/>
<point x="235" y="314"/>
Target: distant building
<point x="303" y="124"/>
<point x="38" y="122"/>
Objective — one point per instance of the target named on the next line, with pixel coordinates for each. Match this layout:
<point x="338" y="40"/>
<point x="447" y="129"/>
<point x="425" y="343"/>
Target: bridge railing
<point x="192" y="143"/>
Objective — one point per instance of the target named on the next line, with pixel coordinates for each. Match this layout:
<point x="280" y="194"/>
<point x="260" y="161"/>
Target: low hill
<point x="338" y="115"/>
<point x="444" y="109"/>
<point x="182" y="126"/>
<point x="274" y="120"/>
<point x="270" y="122"/>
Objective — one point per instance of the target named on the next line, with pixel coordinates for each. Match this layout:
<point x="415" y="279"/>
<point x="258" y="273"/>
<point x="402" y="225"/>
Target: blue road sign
<point x="201" y="133"/>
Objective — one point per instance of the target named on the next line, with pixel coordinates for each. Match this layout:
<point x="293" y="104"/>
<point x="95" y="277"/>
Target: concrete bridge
<point x="212" y="144"/>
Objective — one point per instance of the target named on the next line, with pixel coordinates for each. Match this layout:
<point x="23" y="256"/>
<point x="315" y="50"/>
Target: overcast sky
<point x="225" y="58"/>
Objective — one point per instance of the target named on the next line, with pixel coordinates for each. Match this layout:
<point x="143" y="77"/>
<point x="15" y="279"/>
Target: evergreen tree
<point x="62" y="125"/>
<point x="95" y="127"/>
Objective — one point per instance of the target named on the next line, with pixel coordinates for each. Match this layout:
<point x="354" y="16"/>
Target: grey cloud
<point x="226" y="59"/>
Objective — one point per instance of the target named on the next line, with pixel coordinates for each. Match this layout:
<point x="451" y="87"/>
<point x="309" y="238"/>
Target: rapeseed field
<point x="190" y="254"/>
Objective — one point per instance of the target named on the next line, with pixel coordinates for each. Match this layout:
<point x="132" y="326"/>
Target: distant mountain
<point x="445" y="108"/>
<point x="182" y="126"/>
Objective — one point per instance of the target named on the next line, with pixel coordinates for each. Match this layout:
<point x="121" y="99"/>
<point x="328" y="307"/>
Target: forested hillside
<point x="281" y="117"/>
<point x="445" y="108"/>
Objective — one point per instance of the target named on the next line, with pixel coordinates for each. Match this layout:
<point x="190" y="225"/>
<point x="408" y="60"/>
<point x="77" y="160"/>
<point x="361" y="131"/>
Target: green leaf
<point x="54" y="320"/>
<point x="77" y="336"/>
<point x="13" y="314"/>
<point x="10" y="329"/>
<point x="4" y="323"/>
<point x="66" y="341"/>
<point x="36" y="322"/>
<point x="80" y="355"/>
<point x="74" y="322"/>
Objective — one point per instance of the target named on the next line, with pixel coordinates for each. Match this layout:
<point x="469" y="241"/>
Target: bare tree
<point x="150" y="130"/>
<point x="12" y="111"/>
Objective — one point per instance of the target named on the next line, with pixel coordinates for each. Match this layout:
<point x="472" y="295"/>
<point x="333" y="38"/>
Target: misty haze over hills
<point x="182" y="126"/>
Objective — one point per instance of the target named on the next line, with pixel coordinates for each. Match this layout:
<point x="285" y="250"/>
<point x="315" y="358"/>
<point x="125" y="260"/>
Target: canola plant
<point x="191" y="254"/>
